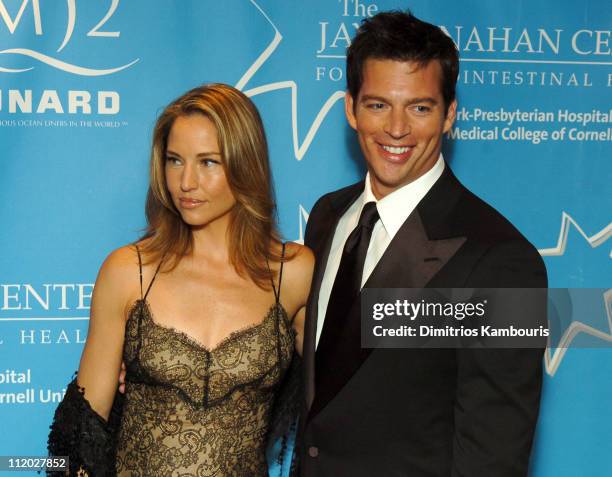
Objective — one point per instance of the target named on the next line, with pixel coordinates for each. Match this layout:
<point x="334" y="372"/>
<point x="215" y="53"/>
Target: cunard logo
<point x="14" y="21"/>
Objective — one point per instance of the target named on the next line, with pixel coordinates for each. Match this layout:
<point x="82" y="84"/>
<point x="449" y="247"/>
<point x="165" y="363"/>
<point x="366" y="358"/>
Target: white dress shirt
<point x="393" y="210"/>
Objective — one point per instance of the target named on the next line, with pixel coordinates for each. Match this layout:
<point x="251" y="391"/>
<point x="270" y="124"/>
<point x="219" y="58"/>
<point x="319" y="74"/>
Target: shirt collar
<point x="395" y="208"/>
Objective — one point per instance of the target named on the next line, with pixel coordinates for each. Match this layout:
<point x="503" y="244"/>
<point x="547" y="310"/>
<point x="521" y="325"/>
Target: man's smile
<point x="395" y="154"/>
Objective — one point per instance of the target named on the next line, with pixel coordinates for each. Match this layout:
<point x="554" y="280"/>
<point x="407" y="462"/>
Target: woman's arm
<point x="296" y="287"/>
<point x="81" y="428"/>
<point x="101" y="359"/>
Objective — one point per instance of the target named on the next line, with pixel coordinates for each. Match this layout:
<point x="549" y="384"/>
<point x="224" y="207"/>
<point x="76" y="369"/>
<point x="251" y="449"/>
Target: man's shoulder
<point x="450" y="207"/>
<point x="341" y="197"/>
<point x="479" y="219"/>
<point x="488" y="230"/>
<point x="325" y="211"/>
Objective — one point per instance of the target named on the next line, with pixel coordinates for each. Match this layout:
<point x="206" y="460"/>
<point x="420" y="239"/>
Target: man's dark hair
<point x="401" y="36"/>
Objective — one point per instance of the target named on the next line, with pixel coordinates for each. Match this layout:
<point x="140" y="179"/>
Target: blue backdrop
<point x="81" y="84"/>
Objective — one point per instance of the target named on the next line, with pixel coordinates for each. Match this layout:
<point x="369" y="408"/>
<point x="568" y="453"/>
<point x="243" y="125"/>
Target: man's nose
<point x="189" y="178"/>
<point x="398" y="124"/>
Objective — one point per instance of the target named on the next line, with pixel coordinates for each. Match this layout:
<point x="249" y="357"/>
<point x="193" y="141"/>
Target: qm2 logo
<point x="97" y="30"/>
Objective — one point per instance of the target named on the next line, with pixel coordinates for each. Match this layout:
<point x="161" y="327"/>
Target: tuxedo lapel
<point x="411" y="260"/>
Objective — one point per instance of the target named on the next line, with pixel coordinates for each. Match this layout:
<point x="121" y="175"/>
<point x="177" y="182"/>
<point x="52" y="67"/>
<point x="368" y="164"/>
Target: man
<point x="410" y="224"/>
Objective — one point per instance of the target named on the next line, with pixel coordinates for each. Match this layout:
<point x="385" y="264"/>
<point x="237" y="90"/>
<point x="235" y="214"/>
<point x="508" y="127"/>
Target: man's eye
<point x="375" y="106"/>
<point x="419" y="108"/>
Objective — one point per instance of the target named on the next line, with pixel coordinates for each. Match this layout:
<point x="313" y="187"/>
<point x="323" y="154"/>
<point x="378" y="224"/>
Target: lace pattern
<point x="188" y="410"/>
<point x="193" y="411"/>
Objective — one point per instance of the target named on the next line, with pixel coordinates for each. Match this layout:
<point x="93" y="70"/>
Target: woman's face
<point x="195" y="176"/>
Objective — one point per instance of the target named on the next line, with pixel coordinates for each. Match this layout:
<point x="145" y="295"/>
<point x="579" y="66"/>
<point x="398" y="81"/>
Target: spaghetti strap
<point x="139" y="268"/>
<point x="154" y="277"/>
<point x="280" y="274"/>
<point x="272" y="283"/>
<point x="144" y="297"/>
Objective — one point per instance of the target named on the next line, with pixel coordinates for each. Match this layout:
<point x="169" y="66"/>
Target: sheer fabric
<point x="188" y="410"/>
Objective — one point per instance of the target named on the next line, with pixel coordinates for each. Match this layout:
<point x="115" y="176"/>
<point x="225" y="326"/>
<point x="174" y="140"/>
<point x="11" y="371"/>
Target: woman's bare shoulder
<point x="300" y="257"/>
<point x="118" y="275"/>
<point x="298" y="269"/>
<point x="121" y="260"/>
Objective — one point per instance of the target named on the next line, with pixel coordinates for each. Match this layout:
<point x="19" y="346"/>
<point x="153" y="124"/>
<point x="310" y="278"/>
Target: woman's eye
<point x="209" y="162"/>
<point x="173" y="161"/>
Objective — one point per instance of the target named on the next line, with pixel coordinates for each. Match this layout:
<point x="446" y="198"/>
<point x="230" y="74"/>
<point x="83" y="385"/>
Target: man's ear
<point x="451" y="113"/>
<point x="349" y="110"/>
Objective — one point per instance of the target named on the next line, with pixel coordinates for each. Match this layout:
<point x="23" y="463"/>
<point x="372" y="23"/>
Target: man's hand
<point x="122" y="378"/>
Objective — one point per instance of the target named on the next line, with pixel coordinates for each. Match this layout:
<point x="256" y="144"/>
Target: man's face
<point x="399" y="118"/>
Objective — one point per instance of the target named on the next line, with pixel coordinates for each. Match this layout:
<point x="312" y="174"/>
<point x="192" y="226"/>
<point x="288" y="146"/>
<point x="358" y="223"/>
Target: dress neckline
<point x="197" y="344"/>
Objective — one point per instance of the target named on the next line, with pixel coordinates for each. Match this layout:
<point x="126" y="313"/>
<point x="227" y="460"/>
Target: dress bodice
<point x="193" y="411"/>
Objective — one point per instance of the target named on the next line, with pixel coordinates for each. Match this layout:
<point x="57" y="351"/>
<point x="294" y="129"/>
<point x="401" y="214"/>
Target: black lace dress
<point x="189" y="410"/>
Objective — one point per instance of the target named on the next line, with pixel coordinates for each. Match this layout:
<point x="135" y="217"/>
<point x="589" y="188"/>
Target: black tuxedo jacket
<point x="422" y="412"/>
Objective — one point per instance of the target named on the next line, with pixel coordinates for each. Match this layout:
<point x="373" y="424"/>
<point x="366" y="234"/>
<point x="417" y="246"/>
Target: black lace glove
<point x="84" y="436"/>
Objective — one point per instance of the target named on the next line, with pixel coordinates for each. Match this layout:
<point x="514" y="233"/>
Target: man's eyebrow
<point x="371" y="97"/>
<point x="424" y="99"/>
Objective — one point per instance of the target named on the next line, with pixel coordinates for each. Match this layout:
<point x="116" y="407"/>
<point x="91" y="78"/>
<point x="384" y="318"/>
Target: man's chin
<point x="382" y="186"/>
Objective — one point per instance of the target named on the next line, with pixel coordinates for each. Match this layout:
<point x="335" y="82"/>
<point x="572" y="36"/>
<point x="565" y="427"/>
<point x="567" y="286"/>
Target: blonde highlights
<point x="244" y="150"/>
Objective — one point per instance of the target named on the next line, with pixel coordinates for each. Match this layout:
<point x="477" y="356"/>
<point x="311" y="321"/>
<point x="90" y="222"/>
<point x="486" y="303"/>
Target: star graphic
<point x="578" y="316"/>
<point x="303" y="115"/>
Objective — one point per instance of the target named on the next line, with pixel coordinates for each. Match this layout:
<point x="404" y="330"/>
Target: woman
<point x="205" y="310"/>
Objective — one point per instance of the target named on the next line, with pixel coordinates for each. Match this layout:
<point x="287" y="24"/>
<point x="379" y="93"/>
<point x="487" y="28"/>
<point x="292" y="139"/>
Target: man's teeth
<point x="396" y="150"/>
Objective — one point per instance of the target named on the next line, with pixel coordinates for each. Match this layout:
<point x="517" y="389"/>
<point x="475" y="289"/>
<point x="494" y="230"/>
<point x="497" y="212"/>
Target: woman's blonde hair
<point x="244" y="151"/>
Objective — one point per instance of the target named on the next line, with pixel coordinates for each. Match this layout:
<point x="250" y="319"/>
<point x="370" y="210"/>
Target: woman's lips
<point x="190" y="203"/>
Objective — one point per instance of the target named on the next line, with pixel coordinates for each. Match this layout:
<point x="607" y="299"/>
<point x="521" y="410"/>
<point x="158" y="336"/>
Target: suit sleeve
<point x="498" y="390"/>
